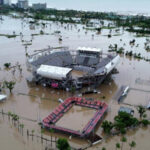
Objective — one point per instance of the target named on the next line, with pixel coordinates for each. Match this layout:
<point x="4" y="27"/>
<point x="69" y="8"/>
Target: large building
<point x="77" y="68"/>
<point x="1" y="2"/>
<point x="23" y="4"/>
<point x="38" y="6"/>
<point x="5" y="2"/>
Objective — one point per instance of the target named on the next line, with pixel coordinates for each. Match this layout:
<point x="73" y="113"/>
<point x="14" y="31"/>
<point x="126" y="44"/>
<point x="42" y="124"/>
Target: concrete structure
<point x="127" y="110"/>
<point x="39" y="6"/>
<point x="23" y="4"/>
<point x="7" y="2"/>
<point x="1" y="2"/>
<point x="101" y="109"/>
<point x="57" y="68"/>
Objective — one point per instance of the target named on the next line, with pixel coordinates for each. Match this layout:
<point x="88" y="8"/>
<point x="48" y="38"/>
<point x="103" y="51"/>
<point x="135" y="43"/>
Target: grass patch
<point x="9" y="36"/>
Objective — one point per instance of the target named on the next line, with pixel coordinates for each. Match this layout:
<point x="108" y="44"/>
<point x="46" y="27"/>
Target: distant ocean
<point x="122" y="6"/>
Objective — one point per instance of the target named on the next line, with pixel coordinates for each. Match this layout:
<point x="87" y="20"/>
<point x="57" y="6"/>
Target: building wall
<point x="1" y="2"/>
<point x="6" y="2"/>
<point x="39" y="6"/>
<point x="23" y="4"/>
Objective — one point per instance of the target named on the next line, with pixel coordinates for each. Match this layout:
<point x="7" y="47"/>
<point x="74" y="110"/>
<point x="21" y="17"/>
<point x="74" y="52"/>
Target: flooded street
<point x="34" y="102"/>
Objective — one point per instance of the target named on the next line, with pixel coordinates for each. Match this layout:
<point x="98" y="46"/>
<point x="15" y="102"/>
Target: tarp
<point x="53" y="72"/>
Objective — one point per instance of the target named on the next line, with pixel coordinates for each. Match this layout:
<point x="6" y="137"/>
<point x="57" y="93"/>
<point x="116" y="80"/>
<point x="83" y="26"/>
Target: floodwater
<point x="32" y="103"/>
<point x="82" y="115"/>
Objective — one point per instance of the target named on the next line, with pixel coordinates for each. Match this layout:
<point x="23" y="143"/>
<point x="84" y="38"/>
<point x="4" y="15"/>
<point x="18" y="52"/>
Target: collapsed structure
<point x="69" y="69"/>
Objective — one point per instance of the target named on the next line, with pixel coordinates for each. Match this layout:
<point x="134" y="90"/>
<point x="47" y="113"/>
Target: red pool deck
<point x="101" y="107"/>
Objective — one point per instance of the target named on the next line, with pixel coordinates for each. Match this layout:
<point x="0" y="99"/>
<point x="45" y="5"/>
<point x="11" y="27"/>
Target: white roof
<point x="89" y="49"/>
<point x="53" y="72"/>
<point x="111" y="65"/>
<point x="2" y="97"/>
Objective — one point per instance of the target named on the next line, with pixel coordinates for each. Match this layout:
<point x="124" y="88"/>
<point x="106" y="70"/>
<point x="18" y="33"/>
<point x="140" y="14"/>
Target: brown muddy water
<point x="33" y="103"/>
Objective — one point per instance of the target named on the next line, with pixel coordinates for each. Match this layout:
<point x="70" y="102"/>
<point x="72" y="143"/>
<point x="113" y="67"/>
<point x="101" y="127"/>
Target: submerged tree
<point x="141" y="110"/>
<point x="107" y="126"/>
<point x="62" y="144"/>
<point x="103" y="148"/>
<point x="7" y="65"/>
<point x="9" y="85"/>
<point x="123" y="140"/>
<point x="132" y="145"/>
<point x="118" y="146"/>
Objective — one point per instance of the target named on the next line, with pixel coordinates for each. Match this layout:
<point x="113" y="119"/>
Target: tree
<point x="22" y="126"/>
<point x="132" y="144"/>
<point x="10" y="85"/>
<point x="123" y="140"/>
<point x="141" y="110"/>
<point x="124" y="120"/>
<point x="107" y="126"/>
<point x="117" y="146"/>
<point x="62" y="144"/>
<point x="7" y="65"/>
<point x="145" y="122"/>
<point x="103" y="148"/>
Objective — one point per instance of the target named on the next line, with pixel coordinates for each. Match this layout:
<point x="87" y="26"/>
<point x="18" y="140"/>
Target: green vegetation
<point x="118" y="146"/>
<point x="62" y="144"/>
<point x="124" y="121"/>
<point x="9" y="35"/>
<point x="132" y="145"/>
<point x="103" y="148"/>
<point x="123" y="140"/>
<point x="84" y="17"/>
<point x="107" y="126"/>
<point x="9" y="85"/>
<point x="141" y="110"/>
<point x="7" y="65"/>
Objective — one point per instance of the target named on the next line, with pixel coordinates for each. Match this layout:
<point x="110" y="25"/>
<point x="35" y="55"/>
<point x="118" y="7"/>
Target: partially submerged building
<point x="39" y="6"/>
<point x="69" y="69"/>
<point x="23" y="4"/>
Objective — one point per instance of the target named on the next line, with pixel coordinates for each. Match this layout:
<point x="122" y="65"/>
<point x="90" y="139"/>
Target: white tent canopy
<point x="53" y="72"/>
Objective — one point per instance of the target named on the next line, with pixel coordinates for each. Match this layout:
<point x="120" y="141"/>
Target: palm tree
<point x="32" y="134"/>
<point x="10" y="85"/>
<point x="117" y="146"/>
<point x="22" y="126"/>
<point x="123" y="140"/>
<point x="132" y="144"/>
<point x="141" y="110"/>
<point x="9" y="115"/>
